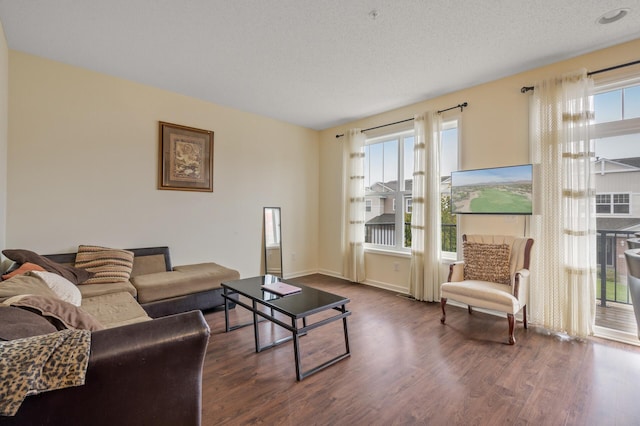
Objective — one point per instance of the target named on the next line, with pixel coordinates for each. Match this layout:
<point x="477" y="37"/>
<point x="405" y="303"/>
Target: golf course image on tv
<point x="499" y="190"/>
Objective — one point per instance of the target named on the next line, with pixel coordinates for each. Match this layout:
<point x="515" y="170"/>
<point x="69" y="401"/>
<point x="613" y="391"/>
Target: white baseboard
<point x="386" y="286"/>
<point x="299" y="274"/>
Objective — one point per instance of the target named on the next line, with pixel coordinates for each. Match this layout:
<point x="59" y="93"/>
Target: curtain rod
<point x="525" y="89"/>
<point x="461" y="106"/>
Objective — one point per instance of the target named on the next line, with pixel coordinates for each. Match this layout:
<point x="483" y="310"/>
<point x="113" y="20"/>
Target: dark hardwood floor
<point x="407" y="368"/>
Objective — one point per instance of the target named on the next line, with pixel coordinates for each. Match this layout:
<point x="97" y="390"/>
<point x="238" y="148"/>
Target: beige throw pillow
<point x="487" y="262"/>
<point x="108" y="265"/>
<point x="62" y="287"/>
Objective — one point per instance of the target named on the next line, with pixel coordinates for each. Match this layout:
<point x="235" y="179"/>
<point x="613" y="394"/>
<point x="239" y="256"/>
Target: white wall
<point x="83" y="154"/>
<point x="4" y="119"/>
<point x="494" y="132"/>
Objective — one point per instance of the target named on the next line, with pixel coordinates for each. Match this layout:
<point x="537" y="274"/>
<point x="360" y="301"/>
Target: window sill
<point x="388" y="252"/>
<point x="447" y="257"/>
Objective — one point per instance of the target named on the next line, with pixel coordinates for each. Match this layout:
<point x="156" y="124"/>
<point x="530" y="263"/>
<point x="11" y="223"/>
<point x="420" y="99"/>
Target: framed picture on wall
<point x="185" y="158"/>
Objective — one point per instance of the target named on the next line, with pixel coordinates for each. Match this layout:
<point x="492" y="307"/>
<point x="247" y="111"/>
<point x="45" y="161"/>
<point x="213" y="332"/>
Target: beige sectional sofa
<point x="160" y="288"/>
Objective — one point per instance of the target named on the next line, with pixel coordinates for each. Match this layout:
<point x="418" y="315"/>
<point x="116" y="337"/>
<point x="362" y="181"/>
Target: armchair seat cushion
<point x="502" y="279"/>
<point x="483" y="294"/>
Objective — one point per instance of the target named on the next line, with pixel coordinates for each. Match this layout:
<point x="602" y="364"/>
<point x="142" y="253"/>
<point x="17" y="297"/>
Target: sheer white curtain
<point x="353" y="244"/>
<point x="425" y="211"/>
<point x="564" y="259"/>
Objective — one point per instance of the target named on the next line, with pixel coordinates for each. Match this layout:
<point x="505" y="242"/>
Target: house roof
<point x="635" y="161"/>
<point x="618" y="224"/>
<point x="383" y="219"/>
<point x="317" y="64"/>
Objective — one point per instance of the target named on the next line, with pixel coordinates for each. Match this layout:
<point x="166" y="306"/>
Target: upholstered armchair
<point x="633" y="280"/>
<point x="494" y="275"/>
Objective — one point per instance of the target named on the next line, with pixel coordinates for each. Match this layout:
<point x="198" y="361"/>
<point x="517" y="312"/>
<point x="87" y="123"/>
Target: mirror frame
<point x="275" y="222"/>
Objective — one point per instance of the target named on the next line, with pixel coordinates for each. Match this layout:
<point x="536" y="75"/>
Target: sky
<point x="616" y="105"/>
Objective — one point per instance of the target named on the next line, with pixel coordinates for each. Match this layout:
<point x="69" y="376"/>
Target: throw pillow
<point x="24" y="284"/>
<point x="487" y="262"/>
<point x="62" y="287"/>
<point x="25" y="267"/>
<point x="108" y="265"/>
<point x="16" y="323"/>
<point x="63" y="314"/>
<point x="75" y="275"/>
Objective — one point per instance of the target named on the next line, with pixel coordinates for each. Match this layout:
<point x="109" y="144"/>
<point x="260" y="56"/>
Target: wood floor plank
<point x="407" y="368"/>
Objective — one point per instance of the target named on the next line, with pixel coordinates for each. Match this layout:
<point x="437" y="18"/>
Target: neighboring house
<point x="617" y="207"/>
<point x="380" y="208"/>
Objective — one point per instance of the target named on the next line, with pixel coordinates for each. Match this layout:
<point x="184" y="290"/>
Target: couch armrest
<point x="143" y="373"/>
<point x="456" y="271"/>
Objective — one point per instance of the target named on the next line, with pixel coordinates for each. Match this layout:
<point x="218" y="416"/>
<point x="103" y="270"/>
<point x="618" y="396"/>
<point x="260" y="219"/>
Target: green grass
<point x="619" y="296"/>
<point x="494" y="200"/>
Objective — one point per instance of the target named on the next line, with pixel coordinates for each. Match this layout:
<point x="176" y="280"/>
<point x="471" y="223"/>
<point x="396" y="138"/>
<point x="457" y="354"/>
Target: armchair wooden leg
<point x="524" y="316"/>
<point x="470" y="309"/>
<point x="512" y="322"/>
<point x="443" y="302"/>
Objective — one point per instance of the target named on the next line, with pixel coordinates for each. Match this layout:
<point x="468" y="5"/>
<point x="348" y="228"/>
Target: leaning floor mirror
<point x="272" y="241"/>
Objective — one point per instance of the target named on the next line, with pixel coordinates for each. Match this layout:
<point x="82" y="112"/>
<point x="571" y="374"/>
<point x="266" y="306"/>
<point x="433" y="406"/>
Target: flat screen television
<point x="499" y="190"/>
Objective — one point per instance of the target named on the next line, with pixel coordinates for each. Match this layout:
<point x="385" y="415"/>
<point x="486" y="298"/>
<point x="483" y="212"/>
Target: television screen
<point x="500" y="190"/>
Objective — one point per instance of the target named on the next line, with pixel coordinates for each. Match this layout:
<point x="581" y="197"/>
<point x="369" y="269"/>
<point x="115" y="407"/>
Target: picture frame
<point x="185" y="160"/>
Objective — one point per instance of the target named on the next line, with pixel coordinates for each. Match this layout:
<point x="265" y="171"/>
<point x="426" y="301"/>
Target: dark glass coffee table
<point x="298" y="307"/>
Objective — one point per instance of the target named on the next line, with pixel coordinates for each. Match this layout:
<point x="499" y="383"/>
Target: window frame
<point x="622" y="127"/>
<point x="398" y="195"/>
<point x="452" y="121"/>
<point x="448" y="124"/>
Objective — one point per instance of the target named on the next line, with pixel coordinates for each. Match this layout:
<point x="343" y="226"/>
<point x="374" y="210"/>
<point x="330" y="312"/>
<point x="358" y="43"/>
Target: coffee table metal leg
<point x="256" y="333"/>
<point x="296" y="349"/>
<point x="346" y="332"/>
<point x="226" y="310"/>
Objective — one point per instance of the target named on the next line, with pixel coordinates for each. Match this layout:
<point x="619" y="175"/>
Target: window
<point x="616" y="169"/>
<point x="450" y="140"/>
<point x="388" y="174"/>
<point x="389" y="177"/>
<point x="612" y="203"/>
<point x="407" y="204"/>
<point x="617" y="164"/>
<point x="367" y="205"/>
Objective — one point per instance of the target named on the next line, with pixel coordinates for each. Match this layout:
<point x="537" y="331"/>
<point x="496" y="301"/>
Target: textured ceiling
<point x="315" y="63"/>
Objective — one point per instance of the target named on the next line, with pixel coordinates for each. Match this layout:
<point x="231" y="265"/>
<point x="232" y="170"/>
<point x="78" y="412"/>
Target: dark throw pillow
<point x="75" y="275"/>
<point x="16" y="323"/>
<point x="63" y="314"/>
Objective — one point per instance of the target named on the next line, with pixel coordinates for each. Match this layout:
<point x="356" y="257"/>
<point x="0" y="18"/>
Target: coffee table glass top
<point x="298" y="305"/>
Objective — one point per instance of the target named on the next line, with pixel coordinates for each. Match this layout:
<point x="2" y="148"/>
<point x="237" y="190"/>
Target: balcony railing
<point x="384" y="234"/>
<point x="449" y="237"/>
<point x="612" y="267"/>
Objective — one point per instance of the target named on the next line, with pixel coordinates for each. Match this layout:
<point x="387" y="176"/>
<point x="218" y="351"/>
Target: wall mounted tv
<point x="500" y="190"/>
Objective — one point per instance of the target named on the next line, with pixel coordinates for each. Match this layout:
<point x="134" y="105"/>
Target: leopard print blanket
<point x="41" y="363"/>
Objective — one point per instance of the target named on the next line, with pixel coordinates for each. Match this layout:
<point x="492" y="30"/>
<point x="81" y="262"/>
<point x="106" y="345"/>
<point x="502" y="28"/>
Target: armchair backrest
<point x="520" y="248"/>
<point x="633" y="262"/>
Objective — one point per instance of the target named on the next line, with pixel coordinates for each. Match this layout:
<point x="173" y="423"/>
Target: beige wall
<point x="494" y="133"/>
<point x="82" y="169"/>
<point x="4" y="117"/>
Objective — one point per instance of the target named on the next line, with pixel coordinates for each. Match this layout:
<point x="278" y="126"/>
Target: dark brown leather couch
<point x="148" y="373"/>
